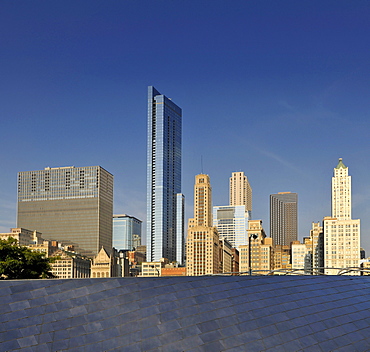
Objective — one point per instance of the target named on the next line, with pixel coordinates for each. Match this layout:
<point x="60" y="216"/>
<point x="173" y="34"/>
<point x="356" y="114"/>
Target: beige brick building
<point x="203" y="244"/>
<point x="70" y="265"/>
<point x="261" y="250"/>
<point x="23" y="236"/>
<point x="341" y="232"/>
<point x="105" y="264"/>
<point x="282" y="259"/>
<point x="240" y="192"/>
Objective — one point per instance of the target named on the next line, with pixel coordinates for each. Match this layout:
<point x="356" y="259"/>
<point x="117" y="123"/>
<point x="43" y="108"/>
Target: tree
<point x="18" y="262"/>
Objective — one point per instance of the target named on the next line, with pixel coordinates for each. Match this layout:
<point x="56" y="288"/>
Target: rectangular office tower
<point x="283" y="218"/>
<point x="72" y="205"/>
<point x="126" y="232"/>
<point x="240" y="192"/>
<point x="232" y="223"/>
<point x="163" y="176"/>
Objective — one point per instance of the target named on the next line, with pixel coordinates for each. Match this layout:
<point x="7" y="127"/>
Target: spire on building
<point x="341" y="165"/>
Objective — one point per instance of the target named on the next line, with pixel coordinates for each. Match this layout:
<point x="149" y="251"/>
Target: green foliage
<point x="17" y="262"/>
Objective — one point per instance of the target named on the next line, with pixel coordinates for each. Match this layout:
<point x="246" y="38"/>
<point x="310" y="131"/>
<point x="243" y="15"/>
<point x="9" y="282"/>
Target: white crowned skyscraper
<point x="341" y="192"/>
<point x="163" y="176"/>
<point x="341" y="232"/>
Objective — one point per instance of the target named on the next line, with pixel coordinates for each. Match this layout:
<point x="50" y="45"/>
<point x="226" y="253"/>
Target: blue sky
<point x="277" y="89"/>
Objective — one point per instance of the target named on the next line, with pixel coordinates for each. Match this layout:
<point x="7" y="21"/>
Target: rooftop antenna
<point x="201" y="163"/>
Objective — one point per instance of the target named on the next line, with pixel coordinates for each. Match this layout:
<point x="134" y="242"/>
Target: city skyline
<point x="281" y="93"/>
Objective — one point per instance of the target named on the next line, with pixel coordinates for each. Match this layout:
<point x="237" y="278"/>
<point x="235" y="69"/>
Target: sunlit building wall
<point x="232" y="223"/>
<point x="341" y="232"/>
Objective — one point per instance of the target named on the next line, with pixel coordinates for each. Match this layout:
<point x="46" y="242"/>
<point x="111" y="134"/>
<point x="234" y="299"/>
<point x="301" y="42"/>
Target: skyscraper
<point x="163" y="176"/>
<point x="202" y="243"/>
<point x="283" y="218"/>
<point x="341" y="232"/>
<point x="341" y="192"/>
<point x="125" y="228"/>
<point x="72" y="205"/>
<point x="240" y="192"/>
<point x="232" y="223"/>
<point x="202" y="201"/>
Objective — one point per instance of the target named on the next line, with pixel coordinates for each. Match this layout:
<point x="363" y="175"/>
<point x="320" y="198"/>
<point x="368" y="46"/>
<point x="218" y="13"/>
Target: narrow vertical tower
<point x="202" y="201"/>
<point x="341" y="232"/>
<point x="240" y="191"/>
<point x="203" y="243"/>
<point x="163" y="175"/>
<point x="341" y="192"/>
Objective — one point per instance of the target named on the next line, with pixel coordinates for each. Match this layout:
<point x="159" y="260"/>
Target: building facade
<point x="342" y="245"/>
<point x="72" y="205"/>
<point x="341" y="232"/>
<point x="240" y="192"/>
<point x="180" y="229"/>
<point x="150" y="269"/>
<point x="226" y="256"/>
<point x="232" y="223"/>
<point x="315" y="249"/>
<point x="126" y="229"/>
<point x="284" y="218"/>
<point x="106" y="264"/>
<point x="24" y="237"/>
<point x="70" y="266"/>
<point x="341" y="203"/>
<point x="257" y="256"/>
<point x="299" y="255"/>
<point x="163" y="175"/>
<point x="202" y="244"/>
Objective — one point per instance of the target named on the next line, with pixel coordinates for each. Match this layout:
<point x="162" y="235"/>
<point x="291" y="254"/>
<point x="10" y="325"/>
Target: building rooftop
<point x="210" y="313"/>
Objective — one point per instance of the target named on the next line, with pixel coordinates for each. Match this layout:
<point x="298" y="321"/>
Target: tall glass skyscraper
<point x="125" y="229"/>
<point x="163" y="176"/>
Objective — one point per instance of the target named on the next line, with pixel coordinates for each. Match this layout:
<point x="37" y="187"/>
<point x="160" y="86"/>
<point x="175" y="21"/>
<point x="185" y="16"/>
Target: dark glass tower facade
<point x="163" y="175"/>
<point x="72" y="205"/>
<point x="283" y="218"/>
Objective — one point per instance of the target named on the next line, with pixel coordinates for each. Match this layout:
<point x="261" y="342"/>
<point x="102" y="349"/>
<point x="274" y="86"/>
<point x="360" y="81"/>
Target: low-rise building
<point x="151" y="269"/>
<point x="235" y="261"/>
<point x="298" y="257"/>
<point x="282" y="259"/>
<point x="68" y="265"/>
<point x="105" y="264"/>
<point x="23" y="236"/>
<point x="261" y="251"/>
<point x="226" y="256"/>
